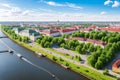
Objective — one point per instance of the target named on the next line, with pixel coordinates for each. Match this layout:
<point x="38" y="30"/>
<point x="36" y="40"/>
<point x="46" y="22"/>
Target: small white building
<point x="27" y="32"/>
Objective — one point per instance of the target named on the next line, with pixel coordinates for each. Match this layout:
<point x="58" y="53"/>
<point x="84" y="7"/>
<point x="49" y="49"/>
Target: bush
<point x="80" y="58"/>
<point x="67" y="64"/>
<point x="86" y="71"/>
<point x="118" y="78"/>
<point x="54" y="58"/>
<point x="78" y="67"/>
<point x="106" y="72"/>
<point x="61" y="59"/>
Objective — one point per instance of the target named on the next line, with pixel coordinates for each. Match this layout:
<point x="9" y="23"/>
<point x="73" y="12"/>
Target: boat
<point x="53" y="76"/>
<point x="19" y="55"/>
<point x="10" y="51"/>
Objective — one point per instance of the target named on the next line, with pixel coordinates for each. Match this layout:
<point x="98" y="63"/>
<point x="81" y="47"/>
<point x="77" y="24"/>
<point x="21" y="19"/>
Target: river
<point x="13" y="68"/>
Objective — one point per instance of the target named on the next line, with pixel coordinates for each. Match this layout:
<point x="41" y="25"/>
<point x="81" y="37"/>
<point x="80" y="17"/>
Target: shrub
<point x="67" y="64"/>
<point x="106" y="72"/>
<point x="54" y="58"/>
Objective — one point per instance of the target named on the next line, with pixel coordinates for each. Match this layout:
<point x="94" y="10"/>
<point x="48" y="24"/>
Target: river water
<point x="13" y="68"/>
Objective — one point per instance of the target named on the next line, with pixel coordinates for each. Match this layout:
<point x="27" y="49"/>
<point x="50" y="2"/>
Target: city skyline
<point x="63" y="10"/>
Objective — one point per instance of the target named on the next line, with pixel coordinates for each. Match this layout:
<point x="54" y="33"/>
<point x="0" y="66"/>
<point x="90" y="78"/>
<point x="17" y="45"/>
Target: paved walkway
<point x="71" y="53"/>
<point x="70" y="60"/>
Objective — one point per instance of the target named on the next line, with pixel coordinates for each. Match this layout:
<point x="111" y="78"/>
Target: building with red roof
<point x="89" y="40"/>
<point x="116" y="66"/>
<point x="91" y="28"/>
<point x="50" y="32"/>
<point x="59" y="31"/>
<point x="111" y="29"/>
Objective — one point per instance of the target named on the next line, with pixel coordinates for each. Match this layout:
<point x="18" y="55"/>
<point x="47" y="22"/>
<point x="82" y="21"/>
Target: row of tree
<point x="104" y="36"/>
<point x="11" y="32"/>
<point x="102" y="57"/>
<point x="82" y="48"/>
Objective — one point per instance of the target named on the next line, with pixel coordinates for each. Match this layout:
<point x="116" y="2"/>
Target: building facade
<point x="27" y="32"/>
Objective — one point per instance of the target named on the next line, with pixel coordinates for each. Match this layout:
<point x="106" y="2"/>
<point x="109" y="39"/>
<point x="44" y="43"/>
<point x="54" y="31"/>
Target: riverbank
<point x="81" y="69"/>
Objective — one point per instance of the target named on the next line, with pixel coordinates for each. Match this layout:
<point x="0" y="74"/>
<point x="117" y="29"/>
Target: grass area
<point x="64" y="54"/>
<point x="94" y="75"/>
<point x="76" y="58"/>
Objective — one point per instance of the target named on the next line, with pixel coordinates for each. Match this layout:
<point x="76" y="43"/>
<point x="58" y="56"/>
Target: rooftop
<point x="117" y="64"/>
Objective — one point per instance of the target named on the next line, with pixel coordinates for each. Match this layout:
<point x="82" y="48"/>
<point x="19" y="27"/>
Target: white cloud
<point x="7" y="10"/>
<point x="61" y="16"/>
<point x="107" y="2"/>
<point x="116" y="4"/>
<point x="51" y="3"/>
<point x="70" y="5"/>
<point x="16" y="10"/>
<point x="26" y="12"/>
<point x="45" y="10"/>
<point x="5" y="5"/>
<point x="103" y="13"/>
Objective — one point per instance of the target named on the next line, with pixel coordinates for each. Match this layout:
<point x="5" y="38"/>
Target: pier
<point x="3" y="51"/>
<point x="3" y="37"/>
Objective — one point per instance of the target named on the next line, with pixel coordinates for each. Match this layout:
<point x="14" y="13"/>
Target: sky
<point x="62" y="10"/>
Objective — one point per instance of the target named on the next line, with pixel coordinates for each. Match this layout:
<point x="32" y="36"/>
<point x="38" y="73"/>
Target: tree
<point x="79" y="49"/>
<point x="86" y="35"/>
<point x="47" y="44"/>
<point x="91" y="48"/>
<point x="38" y="41"/>
<point x="98" y="64"/>
<point x="62" y="45"/>
<point x="60" y="41"/>
<point x="19" y="38"/>
<point x="106" y="72"/>
<point x="71" y="44"/>
<point x="92" y="61"/>
<point x="79" y="58"/>
<point x="42" y="43"/>
<point x="54" y="40"/>
<point x="110" y="40"/>
<point x="25" y="39"/>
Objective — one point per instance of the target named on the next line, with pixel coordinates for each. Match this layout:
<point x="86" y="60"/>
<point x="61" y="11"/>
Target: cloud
<point x="7" y="10"/>
<point x="51" y="3"/>
<point x="70" y="5"/>
<point x="108" y="2"/>
<point x="116" y="4"/>
<point x="5" y="5"/>
<point x="60" y="16"/>
<point x="103" y="13"/>
<point x="45" y="10"/>
<point x="26" y="12"/>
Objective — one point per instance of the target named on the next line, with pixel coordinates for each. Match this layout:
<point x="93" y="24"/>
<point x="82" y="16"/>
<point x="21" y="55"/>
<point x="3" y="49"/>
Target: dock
<point x="40" y="54"/>
<point x="3" y="51"/>
<point x="3" y="37"/>
<point x="66" y="67"/>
